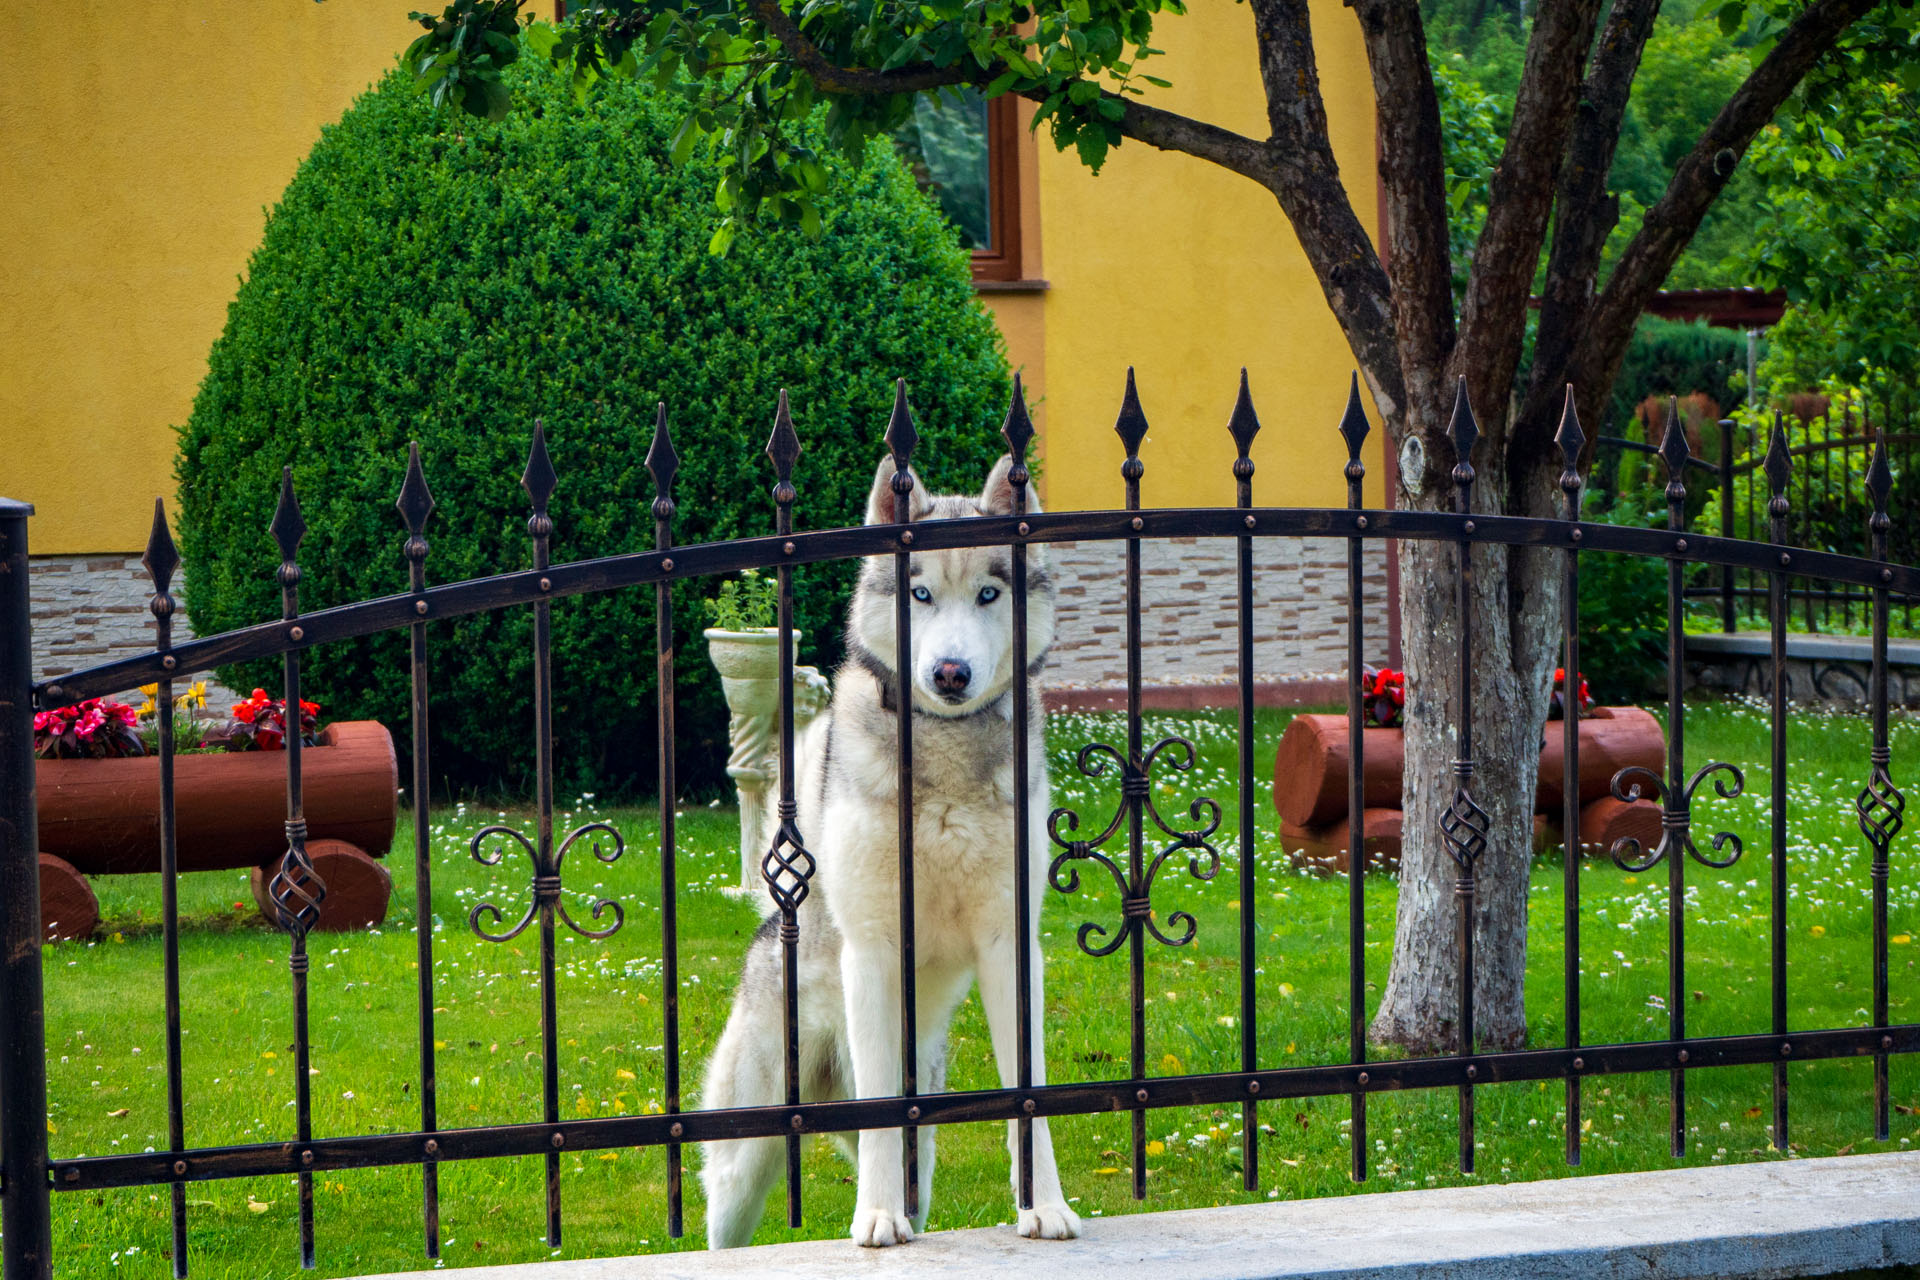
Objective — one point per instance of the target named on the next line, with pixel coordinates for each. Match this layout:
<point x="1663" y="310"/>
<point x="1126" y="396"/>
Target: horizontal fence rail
<point x="1131" y="845"/>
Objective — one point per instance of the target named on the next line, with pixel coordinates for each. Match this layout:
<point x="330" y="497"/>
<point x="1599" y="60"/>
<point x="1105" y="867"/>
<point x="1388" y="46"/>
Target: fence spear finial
<point x="1674" y="451"/>
<point x="288" y="526"/>
<point x="1131" y="426"/>
<point x="161" y="557"/>
<point x="1244" y="424"/>
<point x="1354" y="426"/>
<point x="901" y="437"/>
<point x="663" y="464"/>
<point x="1017" y="429"/>
<point x="539" y="479"/>
<point x="1879" y="482"/>
<point x="415" y="502"/>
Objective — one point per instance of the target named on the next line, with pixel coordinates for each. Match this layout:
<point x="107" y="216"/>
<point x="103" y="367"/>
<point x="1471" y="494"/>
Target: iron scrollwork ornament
<point x="1136" y="794"/>
<point x="1882" y="810"/>
<point x="1676" y="826"/>
<point x="546" y="881"/>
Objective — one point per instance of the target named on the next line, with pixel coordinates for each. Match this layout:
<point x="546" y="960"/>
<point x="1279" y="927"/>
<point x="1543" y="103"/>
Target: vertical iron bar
<point x="1881" y="804"/>
<point x="539" y="481"/>
<point x="1571" y="440"/>
<point x="1132" y="428"/>
<point x="1779" y="471"/>
<point x="1243" y="426"/>
<point x="1463" y="812"/>
<point x="415" y="504"/>
<point x="664" y="464"/>
<point x="296" y="880"/>
<point x="1354" y="427"/>
<point x="1675" y="451"/>
<point x="161" y="560"/>
<point x="1018" y="430"/>
<point x="901" y="439"/>
<point x="26" y="1212"/>
<point x="1727" y="623"/>
<point x="787" y="865"/>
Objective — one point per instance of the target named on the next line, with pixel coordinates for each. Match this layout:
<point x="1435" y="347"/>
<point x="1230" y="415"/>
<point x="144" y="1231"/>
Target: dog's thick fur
<point x="849" y="957"/>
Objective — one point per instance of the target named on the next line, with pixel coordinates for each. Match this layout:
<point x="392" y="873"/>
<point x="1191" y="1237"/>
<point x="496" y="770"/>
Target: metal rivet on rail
<point x="1253" y="1086"/>
<point x="1886" y="575"/>
<point x="420" y="607"/>
<point x="1785" y="558"/>
<point x="1250" y="522"/>
<point x="1470" y="526"/>
<point x="1577" y="535"/>
<point x="54" y="691"/>
<point x="169" y="662"/>
<point x="796" y="1123"/>
<point x="433" y="1146"/>
<point x="559" y="1139"/>
<point x="1025" y="528"/>
<point x="1140" y="1095"/>
<point x="1886" y="1042"/>
<point x="906" y="539"/>
<point x="71" y="1175"/>
<point x="179" y="1169"/>
<point x="1683" y="1055"/>
<point x="1579" y="1064"/>
<point x="1359" y="522"/>
<point x="913" y="1113"/>
<point x="1365" y="1078"/>
<point x="297" y="633"/>
<point x="1679" y="544"/>
<point x="546" y="584"/>
<point x="1138" y="523"/>
<point x="1786" y="1049"/>
<point x="1026" y="1105"/>
<point x="788" y="548"/>
<point x="1473" y="1073"/>
<point x="666" y="566"/>
<point x="676" y="1130"/>
<point x="306" y="1157"/>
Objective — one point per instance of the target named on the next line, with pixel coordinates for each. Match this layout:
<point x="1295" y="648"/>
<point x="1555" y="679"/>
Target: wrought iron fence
<point x="1832" y="449"/>
<point x="32" y="1178"/>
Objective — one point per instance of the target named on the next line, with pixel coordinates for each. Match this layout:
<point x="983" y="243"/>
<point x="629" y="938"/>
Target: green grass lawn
<point x="107" y="1075"/>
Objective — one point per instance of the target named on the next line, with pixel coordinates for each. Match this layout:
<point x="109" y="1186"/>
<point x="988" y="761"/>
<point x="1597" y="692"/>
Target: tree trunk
<point x="1514" y="634"/>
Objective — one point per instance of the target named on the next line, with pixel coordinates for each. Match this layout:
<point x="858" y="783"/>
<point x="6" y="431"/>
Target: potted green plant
<point x="743" y="644"/>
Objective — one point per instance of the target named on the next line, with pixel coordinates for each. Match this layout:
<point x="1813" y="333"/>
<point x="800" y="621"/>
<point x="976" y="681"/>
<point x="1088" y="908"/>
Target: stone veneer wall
<point x="1189" y="592"/>
<point x="93" y="609"/>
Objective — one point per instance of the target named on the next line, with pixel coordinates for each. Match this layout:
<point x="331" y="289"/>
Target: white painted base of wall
<point x="1757" y="1221"/>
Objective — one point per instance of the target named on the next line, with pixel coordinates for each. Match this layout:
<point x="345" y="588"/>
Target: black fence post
<point x="26" y="1214"/>
<point x="1726" y="522"/>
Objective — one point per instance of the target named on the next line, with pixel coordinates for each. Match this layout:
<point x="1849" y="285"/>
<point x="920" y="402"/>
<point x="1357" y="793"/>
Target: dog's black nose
<point x="951" y="678"/>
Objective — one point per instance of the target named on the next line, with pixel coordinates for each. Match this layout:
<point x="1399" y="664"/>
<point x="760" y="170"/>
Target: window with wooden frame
<point x="964" y="151"/>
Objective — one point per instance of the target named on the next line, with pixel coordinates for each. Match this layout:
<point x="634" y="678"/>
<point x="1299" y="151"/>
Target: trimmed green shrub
<point x="435" y="277"/>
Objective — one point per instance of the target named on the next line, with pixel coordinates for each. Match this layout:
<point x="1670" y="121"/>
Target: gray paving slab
<point x="1784" y="1218"/>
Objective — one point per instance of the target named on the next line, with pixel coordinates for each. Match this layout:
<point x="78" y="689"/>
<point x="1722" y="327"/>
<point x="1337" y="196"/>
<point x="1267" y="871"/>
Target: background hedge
<point x="430" y="276"/>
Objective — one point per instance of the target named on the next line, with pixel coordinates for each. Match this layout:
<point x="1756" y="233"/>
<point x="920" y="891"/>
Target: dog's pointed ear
<point x="880" y="500"/>
<point x="996" y="499"/>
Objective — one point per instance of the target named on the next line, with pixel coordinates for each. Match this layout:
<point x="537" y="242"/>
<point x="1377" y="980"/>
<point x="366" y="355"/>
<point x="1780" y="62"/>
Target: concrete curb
<point x="1776" y="1219"/>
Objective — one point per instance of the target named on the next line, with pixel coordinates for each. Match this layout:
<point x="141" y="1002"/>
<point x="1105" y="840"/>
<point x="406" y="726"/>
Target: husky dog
<point x="846" y="772"/>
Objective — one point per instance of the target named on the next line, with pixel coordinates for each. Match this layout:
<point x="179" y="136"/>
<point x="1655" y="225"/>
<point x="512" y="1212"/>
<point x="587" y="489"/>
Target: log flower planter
<point x="102" y="817"/>
<point x="1310" y="787"/>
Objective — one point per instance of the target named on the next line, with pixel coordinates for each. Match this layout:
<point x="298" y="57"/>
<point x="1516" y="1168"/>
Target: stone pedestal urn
<point x="749" y="667"/>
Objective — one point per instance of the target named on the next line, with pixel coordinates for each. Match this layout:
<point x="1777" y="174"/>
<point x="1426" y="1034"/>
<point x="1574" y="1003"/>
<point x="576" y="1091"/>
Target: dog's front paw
<point x="1049" y="1222"/>
<point x="877" y="1228"/>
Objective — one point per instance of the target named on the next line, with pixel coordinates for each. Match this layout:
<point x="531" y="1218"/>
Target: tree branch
<point x="1413" y="177"/>
<point x="1493" y="313"/>
<point x="1700" y="177"/>
<point x="1585" y="214"/>
<point x="1167" y="130"/>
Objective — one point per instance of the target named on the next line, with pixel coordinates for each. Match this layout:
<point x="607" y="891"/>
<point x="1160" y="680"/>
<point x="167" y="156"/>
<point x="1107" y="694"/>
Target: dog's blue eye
<point x="923" y="595"/>
<point x="989" y="594"/>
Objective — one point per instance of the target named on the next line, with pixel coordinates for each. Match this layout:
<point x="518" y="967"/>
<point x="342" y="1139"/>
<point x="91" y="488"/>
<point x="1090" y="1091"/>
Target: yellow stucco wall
<point x="1188" y="272"/>
<point x="143" y="140"/>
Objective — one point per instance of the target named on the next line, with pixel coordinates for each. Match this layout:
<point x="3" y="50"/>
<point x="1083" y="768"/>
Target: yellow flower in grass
<point x="1818" y="931"/>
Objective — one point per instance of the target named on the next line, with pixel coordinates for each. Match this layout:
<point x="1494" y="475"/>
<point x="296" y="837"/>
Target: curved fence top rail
<point x="610" y="573"/>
